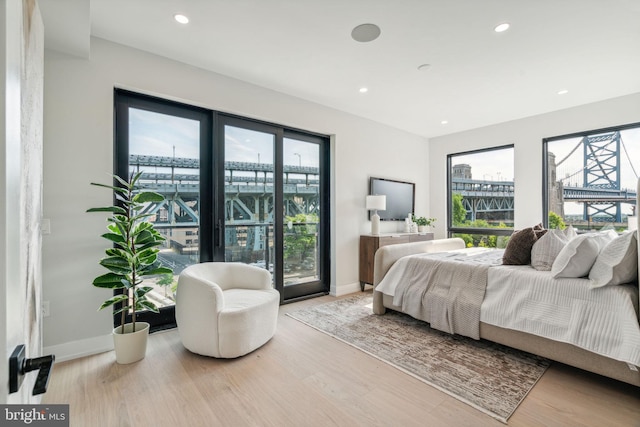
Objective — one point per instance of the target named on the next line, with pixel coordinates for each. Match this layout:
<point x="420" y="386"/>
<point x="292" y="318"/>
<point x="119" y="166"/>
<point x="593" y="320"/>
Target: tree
<point x="459" y="212"/>
<point x="300" y="238"/>
<point x="556" y="221"/>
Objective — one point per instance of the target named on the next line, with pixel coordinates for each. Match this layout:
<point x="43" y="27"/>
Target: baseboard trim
<point x="81" y="348"/>
<point x="87" y="347"/>
<point x="349" y="288"/>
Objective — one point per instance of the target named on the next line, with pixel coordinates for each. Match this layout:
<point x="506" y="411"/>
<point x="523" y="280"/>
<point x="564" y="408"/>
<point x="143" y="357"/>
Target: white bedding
<point x="390" y="282"/>
<point x="602" y="320"/>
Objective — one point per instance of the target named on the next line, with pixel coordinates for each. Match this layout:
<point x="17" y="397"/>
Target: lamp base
<point x="375" y="223"/>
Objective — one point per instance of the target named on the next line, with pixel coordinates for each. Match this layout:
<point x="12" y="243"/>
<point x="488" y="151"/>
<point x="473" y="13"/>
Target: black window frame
<point x="212" y="184"/>
<point x="545" y="159"/>
<point x="451" y="230"/>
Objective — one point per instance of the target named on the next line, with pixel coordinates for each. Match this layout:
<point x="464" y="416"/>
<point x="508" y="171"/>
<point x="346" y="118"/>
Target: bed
<point x="602" y="335"/>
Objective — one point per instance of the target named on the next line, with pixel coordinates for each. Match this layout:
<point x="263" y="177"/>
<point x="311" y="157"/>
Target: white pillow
<point x="546" y="249"/>
<point x="578" y="256"/>
<point x="617" y="262"/>
<point x="570" y="232"/>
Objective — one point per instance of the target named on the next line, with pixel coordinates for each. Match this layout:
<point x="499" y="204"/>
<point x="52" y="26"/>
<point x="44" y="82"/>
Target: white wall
<point x="21" y="59"/>
<point x="526" y="135"/>
<point x="78" y="138"/>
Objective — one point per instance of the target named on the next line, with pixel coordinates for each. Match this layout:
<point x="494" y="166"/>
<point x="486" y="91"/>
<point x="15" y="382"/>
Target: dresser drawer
<point x="393" y="240"/>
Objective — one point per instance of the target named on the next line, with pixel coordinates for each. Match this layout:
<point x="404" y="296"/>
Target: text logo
<point x="34" y="415"/>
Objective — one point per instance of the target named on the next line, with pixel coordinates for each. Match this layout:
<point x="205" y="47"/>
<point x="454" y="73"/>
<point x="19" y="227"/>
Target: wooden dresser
<point x="369" y="244"/>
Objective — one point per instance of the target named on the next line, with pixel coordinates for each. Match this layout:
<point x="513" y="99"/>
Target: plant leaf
<point x="147" y="259"/>
<point x="141" y="291"/>
<point x="109" y="280"/>
<point x="117" y="252"/>
<point x="112" y="209"/>
<point x="148" y="196"/>
<point x="123" y="182"/>
<point x="114" y="237"/>
<point x="111" y="187"/>
<point x="147" y="305"/>
<point x="117" y="264"/>
<point x="157" y="270"/>
<point x="143" y="237"/>
<point x="114" y="300"/>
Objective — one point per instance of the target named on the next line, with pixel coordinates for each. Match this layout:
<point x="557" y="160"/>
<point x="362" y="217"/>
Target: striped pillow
<point x="546" y="249"/>
<point x="617" y="262"/>
<point x="578" y="256"/>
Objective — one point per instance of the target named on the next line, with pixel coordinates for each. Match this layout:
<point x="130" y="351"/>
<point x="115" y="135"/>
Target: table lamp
<point x="376" y="203"/>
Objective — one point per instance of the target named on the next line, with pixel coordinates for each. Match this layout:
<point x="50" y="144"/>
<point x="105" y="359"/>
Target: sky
<point x="629" y="158"/>
<point x="498" y="164"/>
<point x="159" y="134"/>
<point x="573" y="165"/>
<point x="492" y="165"/>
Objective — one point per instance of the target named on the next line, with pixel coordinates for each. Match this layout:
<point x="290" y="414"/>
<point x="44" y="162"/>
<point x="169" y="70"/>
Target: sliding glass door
<point x="304" y="232"/>
<point x="248" y="196"/>
<point x="236" y="190"/>
<point x="272" y="204"/>
<point x="165" y="141"/>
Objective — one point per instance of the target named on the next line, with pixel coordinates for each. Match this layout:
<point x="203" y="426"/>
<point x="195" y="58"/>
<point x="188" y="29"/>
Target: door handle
<point x="19" y="366"/>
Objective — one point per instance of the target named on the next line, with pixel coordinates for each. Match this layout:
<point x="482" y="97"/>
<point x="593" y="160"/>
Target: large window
<point x="235" y="190"/>
<point x="590" y="178"/>
<point x="480" y="196"/>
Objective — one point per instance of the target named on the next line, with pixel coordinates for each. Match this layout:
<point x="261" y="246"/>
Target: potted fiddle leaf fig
<point x="131" y="258"/>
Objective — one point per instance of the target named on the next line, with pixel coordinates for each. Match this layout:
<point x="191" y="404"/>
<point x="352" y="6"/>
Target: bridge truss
<point x="602" y="172"/>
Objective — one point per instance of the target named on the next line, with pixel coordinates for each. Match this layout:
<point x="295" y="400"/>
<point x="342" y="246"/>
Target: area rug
<point x="490" y="377"/>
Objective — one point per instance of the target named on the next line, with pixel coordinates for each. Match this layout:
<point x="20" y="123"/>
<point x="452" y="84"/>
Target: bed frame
<point x="561" y="352"/>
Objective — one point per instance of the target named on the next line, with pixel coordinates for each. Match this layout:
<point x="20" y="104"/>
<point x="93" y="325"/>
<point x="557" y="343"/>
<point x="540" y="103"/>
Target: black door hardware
<point x="19" y="366"/>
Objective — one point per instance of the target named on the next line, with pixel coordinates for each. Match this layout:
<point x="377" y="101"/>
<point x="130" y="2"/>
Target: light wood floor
<point x="303" y="377"/>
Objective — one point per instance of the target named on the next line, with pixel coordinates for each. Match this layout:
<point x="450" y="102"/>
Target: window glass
<point x="591" y="178"/>
<point x="481" y="189"/>
<point x="165" y="149"/>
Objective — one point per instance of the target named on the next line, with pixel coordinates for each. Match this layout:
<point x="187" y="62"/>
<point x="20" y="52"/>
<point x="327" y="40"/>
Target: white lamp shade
<point x="632" y="223"/>
<point x="377" y="202"/>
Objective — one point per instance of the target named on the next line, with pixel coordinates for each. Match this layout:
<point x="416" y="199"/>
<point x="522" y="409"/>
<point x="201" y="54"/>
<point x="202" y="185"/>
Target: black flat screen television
<point x="400" y="198"/>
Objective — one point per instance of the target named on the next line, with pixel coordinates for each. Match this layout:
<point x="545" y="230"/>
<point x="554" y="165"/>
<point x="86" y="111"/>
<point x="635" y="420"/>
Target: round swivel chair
<point x="225" y="310"/>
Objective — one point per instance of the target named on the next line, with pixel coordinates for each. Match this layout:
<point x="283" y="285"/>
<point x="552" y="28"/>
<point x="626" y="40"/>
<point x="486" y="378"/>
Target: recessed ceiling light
<point x="501" y="27"/>
<point x="365" y="33"/>
<point x="444" y="122"/>
<point x="563" y="91"/>
<point x="424" y="67"/>
<point x="181" y="18"/>
<point x="364" y="90"/>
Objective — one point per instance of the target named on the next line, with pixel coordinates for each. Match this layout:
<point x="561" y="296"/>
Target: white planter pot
<point x="423" y="228"/>
<point x="130" y="346"/>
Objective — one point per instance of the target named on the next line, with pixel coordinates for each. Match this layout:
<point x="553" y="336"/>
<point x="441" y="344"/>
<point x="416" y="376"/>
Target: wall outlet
<point x="45" y="309"/>
<point x="45" y="226"/>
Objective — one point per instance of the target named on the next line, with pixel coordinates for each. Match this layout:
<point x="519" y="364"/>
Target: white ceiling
<point x="304" y="48"/>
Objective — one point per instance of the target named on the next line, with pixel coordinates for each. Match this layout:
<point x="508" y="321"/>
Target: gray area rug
<point x="490" y="377"/>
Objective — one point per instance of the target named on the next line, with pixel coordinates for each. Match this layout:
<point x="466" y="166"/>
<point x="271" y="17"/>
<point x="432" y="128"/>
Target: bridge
<point x="492" y="197"/>
<point x="248" y="190"/>
<point x="249" y="201"/>
<point x="596" y="184"/>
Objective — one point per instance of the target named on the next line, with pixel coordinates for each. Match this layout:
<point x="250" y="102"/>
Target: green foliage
<point x="482" y="240"/>
<point x="134" y="254"/>
<point x="300" y="237"/>
<point x="556" y="221"/>
<point x="459" y="212"/>
<point x="422" y="221"/>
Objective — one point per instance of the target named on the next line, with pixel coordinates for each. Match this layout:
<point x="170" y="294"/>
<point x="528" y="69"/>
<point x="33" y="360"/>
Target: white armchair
<point x="225" y="310"/>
